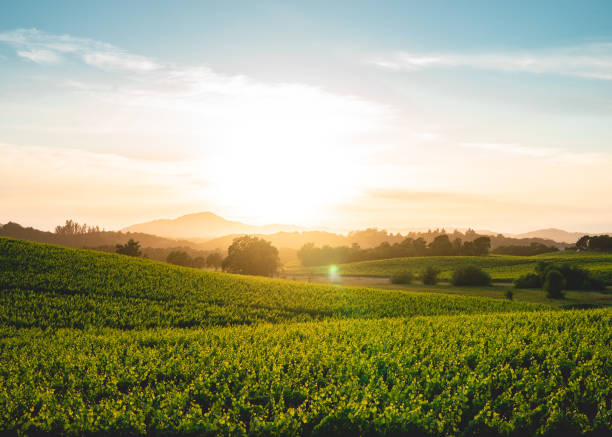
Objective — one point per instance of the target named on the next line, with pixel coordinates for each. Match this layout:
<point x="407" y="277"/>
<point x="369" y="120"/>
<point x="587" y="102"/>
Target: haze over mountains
<point x="204" y="225"/>
<point x="207" y="226"/>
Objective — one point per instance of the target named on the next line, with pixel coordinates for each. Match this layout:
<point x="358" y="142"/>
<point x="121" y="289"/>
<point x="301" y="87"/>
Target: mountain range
<point x="204" y="226"/>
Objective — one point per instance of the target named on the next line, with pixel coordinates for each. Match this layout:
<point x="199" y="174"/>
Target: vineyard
<point x="102" y="344"/>
<point x="501" y="267"/>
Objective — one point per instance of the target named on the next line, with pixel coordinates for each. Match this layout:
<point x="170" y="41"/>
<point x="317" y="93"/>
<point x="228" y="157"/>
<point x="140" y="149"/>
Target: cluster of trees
<point x="532" y="249"/>
<point x="247" y="255"/>
<point x="182" y="258"/>
<point x="602" y="243"/>
<point x="554" y="278"/>
<point x="464" y="275"/>
<point x="310" y="255"/>
<point x="74" y="228"/>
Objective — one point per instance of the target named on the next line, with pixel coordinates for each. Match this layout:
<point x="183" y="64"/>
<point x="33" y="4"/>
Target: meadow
<point x="101" y="344"/>
<point x="501" y="267"/>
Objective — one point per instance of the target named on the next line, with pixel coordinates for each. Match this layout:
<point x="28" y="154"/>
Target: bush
<point x="429" y="275"/>
<point x="509" y="294"/>
<point x="530" y="280"/>
<point x="470" y="275"/>
<point x="401" y="278"/>
<point x="554" y="284"/>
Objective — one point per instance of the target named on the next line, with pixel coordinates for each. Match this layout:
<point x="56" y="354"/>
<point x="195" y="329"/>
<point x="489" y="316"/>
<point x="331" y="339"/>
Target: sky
<point x="342" y="115"/>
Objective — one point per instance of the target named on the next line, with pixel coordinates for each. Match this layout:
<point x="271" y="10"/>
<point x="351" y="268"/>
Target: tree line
<point x="247" y="255"/>
<point x="310" y="255"/>
<point x="600" y="243"/>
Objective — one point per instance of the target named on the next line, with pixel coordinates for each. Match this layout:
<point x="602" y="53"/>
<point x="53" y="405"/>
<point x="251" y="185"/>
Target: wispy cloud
<point x="45" y="48"/>
<point x="592" y="61"/>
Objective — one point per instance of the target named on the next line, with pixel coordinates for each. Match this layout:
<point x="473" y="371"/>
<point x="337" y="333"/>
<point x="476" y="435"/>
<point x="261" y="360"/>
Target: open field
<point x="102" y="344"/>
<point x="497" y="290"/>
<point x="501" y="267"/>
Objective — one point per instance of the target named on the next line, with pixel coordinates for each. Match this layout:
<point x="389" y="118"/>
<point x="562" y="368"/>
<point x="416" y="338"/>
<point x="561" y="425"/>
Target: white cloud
<point x="592" y="61"/>
<point x="42" y="47"/>
<point x="40" y="56"/>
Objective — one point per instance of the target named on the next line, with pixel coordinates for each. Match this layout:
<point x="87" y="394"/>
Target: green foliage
<point x="367" y="362"/>
<point x="530" y="280"/>
<point x="401" y="278"/>
<point x="542" y="373"/>
<point x="470" y="275"/>
<point x="429" y="275"/>
<point x="179" y="258"/>
<point x="554" y="283"/>
<point x="49" y="286"/>
<point x="131" y="248"/>
<point x="575" y="278"/>
<point x="251" y="256"/>
<point x="500" y="267"/>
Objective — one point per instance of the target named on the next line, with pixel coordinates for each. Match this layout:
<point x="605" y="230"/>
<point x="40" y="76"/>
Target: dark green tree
<point x="131" y="248"/>
<point x="180" y="258"/>
<point x="251" y="256"/>
<point x="554" y="284"/>
<point x="441" y="246"/>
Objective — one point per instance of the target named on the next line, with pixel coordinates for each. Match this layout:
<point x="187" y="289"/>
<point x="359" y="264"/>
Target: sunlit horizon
<point x="307" y="119"/>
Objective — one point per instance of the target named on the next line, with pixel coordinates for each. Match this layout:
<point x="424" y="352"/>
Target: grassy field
<point x="498" y="290"/>
<point x="501" y="267"/>
<point x="100" y="344"/>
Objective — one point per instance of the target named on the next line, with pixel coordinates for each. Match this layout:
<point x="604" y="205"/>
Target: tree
<point x="251" y="256"/>
<point x="179" y="258"/>
<point x="214" y="260"/>
<point x="429" y="275"/>
<point x="441" y="245"/>
<point x="554" y="284"/>
<point x="470" y="275"/>
<point x="481" y="246"/>
<point x="199" y="262"/>
<point x="131" y="248"/>
<point x="74" y="228"/>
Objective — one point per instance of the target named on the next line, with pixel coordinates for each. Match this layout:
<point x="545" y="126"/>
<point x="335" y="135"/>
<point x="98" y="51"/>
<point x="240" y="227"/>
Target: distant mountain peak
<point x="203" y="225"/>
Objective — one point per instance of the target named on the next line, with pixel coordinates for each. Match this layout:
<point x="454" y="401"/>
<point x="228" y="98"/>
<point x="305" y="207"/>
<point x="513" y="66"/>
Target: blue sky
<point x="474" y="103"/>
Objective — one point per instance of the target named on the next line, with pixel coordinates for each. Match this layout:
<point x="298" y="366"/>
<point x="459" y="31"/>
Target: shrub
<point x="530" y="280"/>
<point x="429" y="275"/>
<point x="554" y="284"/>
<point x="509" y="294"/>
<point x="401" y="278"/>
<point x="470" y="275"/>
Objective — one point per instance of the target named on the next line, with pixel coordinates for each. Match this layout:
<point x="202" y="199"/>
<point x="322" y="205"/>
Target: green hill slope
<point x="501" y="267"/>
<point x="426" y="365"/>
<point x="51" y="286"/>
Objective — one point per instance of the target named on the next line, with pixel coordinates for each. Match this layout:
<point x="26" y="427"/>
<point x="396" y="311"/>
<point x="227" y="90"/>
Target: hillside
<point x="95" y="239"/>
<point x="501" y="267"/>
<point x="103" y="344"/>
<point x="203" y="225"/>
<point x="40" y="283"/>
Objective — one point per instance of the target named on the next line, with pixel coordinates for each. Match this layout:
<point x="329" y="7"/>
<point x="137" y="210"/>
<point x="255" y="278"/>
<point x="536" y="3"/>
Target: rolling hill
<point x="104" y="344"/>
